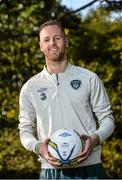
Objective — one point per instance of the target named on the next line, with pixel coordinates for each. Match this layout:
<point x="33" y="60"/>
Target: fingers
<point x="46" y="141"/>
<point x="83" y="156"/>
<point x="87" y="149"/>
<point x="54" y="162"/>
<point x="86" y="146"/>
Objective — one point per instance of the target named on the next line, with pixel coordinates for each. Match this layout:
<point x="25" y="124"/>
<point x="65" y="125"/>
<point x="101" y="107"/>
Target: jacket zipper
<point x="57" y="79"/>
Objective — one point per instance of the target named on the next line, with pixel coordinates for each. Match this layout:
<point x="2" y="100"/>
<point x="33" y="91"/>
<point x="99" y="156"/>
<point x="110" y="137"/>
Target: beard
<point x="55" y="56"/>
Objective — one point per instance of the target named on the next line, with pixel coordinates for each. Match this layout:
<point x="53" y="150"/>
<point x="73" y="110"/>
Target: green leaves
<point x="112" y="154"/>
<point x="15" y="162"/>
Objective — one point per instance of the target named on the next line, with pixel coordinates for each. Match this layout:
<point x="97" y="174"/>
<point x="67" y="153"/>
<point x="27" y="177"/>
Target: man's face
<point x="53" y="43"/>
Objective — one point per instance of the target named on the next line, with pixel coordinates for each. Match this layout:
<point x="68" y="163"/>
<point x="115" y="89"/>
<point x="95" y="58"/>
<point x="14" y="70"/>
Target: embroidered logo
<point x="75" y="84"/>
<point x="41" y="90"/>
<point x="42" y="94"/>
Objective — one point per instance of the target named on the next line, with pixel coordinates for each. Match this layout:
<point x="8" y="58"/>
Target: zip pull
<point x="57" y="79"/>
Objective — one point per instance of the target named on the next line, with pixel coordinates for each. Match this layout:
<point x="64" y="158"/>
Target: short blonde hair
<point x="51" y="22"/>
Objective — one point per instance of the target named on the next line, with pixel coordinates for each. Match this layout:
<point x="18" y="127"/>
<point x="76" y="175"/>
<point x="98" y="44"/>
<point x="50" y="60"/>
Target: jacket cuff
<point x="99" y="139"/>
<point x="37" y="148"/>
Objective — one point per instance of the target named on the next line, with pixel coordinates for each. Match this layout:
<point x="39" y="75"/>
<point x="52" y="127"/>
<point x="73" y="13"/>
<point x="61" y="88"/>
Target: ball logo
<point x="65" y="134"/>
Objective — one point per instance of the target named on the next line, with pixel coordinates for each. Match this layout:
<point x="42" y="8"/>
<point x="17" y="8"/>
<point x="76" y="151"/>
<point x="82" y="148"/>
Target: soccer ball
<point x="65" y="145"/>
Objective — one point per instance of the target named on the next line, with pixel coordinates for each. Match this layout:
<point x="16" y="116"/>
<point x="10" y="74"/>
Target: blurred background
<point x="94" y="29"/>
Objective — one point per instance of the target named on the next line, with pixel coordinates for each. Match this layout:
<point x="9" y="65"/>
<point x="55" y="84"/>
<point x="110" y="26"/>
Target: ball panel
<point x="53" y="149"/>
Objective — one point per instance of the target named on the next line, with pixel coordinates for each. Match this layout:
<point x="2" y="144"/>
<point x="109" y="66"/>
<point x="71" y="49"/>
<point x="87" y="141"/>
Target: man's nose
<point x="52" y="41"/>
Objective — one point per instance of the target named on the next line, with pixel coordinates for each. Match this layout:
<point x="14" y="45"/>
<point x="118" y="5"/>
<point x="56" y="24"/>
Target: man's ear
<point x="40" y="46"/>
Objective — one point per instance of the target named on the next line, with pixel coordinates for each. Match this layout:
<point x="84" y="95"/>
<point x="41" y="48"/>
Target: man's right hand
<point x="43" y="151"/>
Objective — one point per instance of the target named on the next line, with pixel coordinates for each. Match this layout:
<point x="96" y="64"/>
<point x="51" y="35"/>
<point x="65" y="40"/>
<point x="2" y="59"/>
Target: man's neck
<point x="56" y="67"/>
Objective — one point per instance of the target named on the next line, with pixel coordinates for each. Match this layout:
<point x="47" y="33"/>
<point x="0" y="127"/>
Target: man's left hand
<point x="90" y="142"/>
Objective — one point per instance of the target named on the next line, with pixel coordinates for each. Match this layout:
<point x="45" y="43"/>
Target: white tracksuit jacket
<point x="70" y="99"/>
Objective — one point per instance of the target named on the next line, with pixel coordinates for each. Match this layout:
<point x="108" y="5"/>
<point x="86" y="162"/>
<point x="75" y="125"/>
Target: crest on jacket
<point x="75" y="83"/>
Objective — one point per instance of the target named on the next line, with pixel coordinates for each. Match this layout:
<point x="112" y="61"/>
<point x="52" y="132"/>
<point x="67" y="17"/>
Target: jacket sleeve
<point x="27" y="120"/>
<point x="102" y="109"/>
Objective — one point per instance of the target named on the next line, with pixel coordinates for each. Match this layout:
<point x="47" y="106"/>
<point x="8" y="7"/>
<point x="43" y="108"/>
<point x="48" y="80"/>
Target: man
<point x="64" y="96"/>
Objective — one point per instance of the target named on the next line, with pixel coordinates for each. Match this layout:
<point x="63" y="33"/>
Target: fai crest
<point x="75" y="84"/>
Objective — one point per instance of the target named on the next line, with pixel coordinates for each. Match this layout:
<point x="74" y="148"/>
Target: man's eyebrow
<point x="57" y="35"/>
<point x="46" y="37"/>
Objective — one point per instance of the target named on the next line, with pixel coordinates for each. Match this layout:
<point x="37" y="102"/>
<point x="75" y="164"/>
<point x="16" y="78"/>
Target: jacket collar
<point x="47" y="73"/>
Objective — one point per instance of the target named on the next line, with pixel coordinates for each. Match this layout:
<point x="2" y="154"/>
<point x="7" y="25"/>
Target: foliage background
<point x="95" y="42"/>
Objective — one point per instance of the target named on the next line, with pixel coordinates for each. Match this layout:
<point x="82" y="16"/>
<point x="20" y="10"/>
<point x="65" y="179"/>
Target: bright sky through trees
<point x="75" y="4"/>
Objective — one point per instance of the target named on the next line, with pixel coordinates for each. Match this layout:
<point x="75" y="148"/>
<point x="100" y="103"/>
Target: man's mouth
<point x="53" y="50"/>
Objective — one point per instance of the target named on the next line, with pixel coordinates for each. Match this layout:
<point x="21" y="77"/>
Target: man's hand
<point x="43" y="150"/>
<point x="90" y="142"/>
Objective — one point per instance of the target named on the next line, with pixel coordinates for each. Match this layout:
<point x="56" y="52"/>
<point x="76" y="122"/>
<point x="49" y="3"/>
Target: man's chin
<point x="54" y="59"/>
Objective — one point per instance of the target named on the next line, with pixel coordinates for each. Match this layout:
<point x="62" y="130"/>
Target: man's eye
<point x="46" y="40"/>
<point x="57" y="38"/>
